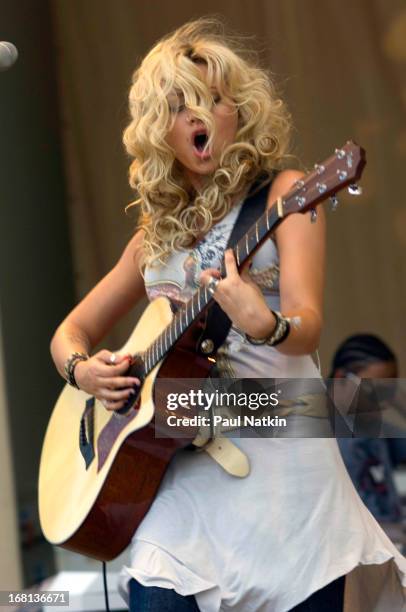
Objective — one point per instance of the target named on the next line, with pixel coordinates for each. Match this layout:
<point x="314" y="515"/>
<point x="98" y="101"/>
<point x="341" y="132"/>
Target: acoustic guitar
<point x="100" y="470"/>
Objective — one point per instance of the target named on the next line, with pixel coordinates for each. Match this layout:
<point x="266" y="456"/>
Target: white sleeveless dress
<point x="266" y="542"/>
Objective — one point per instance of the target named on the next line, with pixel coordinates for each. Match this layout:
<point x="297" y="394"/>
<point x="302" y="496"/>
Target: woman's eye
<point x="177" y="109"/>
<point x="217" y="99"/>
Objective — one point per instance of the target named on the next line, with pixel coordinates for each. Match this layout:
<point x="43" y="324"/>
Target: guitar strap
<point x="217" y="322"/>
<point x="222" y="450"/>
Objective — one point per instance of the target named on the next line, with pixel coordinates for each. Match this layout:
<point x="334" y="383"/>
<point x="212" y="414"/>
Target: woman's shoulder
<point x="131" y="260"/>
<point x="135" y="246"/>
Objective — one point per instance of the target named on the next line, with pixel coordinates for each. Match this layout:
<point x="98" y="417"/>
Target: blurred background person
<point x="370" y="461"/>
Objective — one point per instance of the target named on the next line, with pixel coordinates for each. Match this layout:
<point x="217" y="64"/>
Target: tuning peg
<point x="340" y="153"/>
<point x="354" y="189"/>
<point x="334" y="202"/>
<point x="313" y="215"/>
<point x="322" y="187"/>
<point x="319" y="168"/>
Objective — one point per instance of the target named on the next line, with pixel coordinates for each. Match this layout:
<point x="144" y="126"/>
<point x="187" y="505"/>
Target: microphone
<point x="8" y="55"/>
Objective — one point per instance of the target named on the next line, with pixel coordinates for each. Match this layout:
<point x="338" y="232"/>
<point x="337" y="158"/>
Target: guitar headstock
<point x="328" y="177"/>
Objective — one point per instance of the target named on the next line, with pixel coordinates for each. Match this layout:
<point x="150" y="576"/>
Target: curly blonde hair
<point x="173" y="214"/>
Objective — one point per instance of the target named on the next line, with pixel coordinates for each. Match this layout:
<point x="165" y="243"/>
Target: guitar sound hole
<point x="136" y="369"/>
<point x="131" y="404"/>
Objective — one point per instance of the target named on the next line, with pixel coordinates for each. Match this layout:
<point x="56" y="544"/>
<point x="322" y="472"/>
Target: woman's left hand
<point x="241" y="299"/>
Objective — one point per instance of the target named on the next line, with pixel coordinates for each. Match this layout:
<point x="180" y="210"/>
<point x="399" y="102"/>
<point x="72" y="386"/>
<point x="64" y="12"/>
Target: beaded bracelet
<point x="69" y="367"/>
<point x="278" y="334"/>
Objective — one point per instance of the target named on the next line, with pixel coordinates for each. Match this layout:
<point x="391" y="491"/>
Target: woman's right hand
<point x="102" y="376"/>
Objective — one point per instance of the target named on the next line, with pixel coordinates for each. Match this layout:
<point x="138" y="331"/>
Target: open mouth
<point x="200" y="140"/>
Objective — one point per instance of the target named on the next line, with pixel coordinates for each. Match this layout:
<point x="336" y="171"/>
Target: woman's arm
<point x="301" y="246"/>
<point x="92" y="319"/>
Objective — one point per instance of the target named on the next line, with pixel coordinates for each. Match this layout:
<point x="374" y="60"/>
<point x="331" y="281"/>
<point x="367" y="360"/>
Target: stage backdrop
<point x="342" y="68"/>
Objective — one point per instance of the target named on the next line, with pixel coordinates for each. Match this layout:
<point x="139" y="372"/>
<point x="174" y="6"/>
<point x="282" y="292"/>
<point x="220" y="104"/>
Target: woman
<point x="206" y="124"/>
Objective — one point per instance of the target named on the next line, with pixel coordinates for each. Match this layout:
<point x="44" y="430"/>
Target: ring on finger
<point x="113" y="358"/>
<point x="212" y="285"/>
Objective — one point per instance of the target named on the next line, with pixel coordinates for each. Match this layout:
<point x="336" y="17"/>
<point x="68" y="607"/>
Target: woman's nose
<point x="190" y="117"/>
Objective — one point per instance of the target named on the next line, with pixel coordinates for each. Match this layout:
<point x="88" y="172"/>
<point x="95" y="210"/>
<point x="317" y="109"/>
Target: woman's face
<point x="188" y="136"/>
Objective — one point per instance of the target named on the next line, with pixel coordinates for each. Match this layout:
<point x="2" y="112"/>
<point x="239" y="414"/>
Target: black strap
<point x="217" y="322"/>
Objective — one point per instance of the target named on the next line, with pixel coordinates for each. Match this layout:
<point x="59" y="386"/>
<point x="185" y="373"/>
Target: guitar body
<point x="94" y="509"/>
